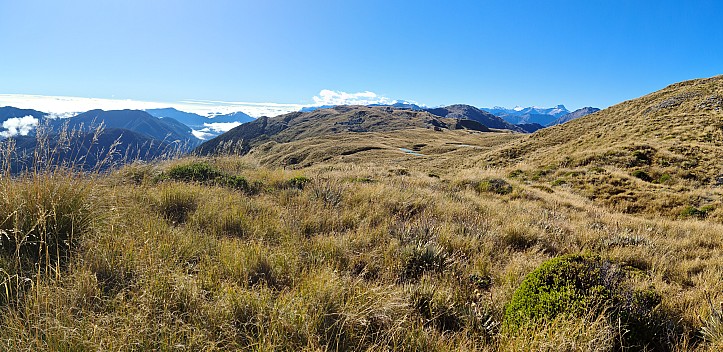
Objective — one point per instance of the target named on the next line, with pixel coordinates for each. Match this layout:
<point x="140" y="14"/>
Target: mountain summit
<point x="529" y="115"/>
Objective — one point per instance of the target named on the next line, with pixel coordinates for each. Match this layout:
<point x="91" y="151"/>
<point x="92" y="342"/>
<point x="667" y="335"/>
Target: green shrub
<point x="664" y="178"/>
<point x="640" y="174"/>
<point x="193" y="172"/>
<point x="204" y="173"/>
<point x="494" y="185"/>
<point x="298" y="182"/>
<point x="575" y="285"/>
<point x="700" y="213"/>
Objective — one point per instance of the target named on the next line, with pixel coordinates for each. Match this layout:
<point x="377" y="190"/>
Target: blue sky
<point x="484" y="53"/>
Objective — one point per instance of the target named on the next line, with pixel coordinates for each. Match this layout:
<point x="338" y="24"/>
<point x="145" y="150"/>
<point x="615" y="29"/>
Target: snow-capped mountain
<point x="529" y="115"/>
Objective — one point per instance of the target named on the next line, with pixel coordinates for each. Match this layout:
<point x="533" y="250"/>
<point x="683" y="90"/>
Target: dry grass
<point x="403" y="262"/>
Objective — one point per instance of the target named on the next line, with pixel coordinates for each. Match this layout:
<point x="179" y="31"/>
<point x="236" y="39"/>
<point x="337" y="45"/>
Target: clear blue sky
<point x="484" y="53"/>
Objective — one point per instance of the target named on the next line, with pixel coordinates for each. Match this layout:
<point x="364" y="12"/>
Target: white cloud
<point x="221" y="126"/>
<point x="330" y="97"/>
<point x="59" y="106"/>
<point x="18" y="125"/>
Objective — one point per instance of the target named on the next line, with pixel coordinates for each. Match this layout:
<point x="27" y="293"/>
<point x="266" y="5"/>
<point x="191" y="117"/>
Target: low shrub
<point x="298" y="182"/>
<point x="576" y="285"/>
<point x="206" y="174"/>
<point x="642" y="175"/>
<point x="693" y="212"/>
<point x="494" y="185"/>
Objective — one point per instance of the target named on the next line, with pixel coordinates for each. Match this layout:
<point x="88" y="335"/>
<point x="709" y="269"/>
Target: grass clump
<point x="42" y="217"/>
<point x="176" y="204"/>
<point x="421" y="259"/>
<point x="579" y="285"/>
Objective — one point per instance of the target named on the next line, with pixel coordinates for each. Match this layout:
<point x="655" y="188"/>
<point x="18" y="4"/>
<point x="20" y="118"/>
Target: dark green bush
<point x="297" y="182"/>
<point x="494" y="185"/>
<point x="693" y="212"/>
<point x="575" y="285"/>
<point x="664" y="178"/>
<point x="640" y="174"/>
<point x="206" y="174"/>
<point x="193" y="172"/>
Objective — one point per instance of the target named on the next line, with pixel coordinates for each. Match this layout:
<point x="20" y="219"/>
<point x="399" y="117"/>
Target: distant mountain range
<point x="197" y="121"/>
<point x="396" y="105"/>
<point x="529" y="115"/>
<point x="159" y="130"/>
<point x="89" y="150"/>
<point x="9" y="112"/>
<point x="574" y="115"/>
<point x="165" y="129"/>
<point x="125" y="134"/>
<point x="460" y="111"/>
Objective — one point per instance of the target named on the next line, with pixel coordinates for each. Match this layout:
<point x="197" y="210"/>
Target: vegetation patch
<point x="42" y="218"/>
<point x="575" y="285"/>
<point x="693" y="212"/>
<point x="641" y="174"/>
<point x="494" y="185"/>
<point x="204" y="173"/>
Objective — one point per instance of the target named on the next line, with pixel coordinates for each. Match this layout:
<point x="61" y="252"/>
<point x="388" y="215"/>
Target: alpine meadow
<point x="372" y="175"/>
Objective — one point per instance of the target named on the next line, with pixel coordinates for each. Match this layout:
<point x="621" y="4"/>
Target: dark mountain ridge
<point x="461" y="111"/>
<point x="574" y="115"/>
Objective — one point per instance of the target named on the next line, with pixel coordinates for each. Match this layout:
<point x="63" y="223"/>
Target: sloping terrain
<point x="658" y="154"/>
<point x="298" y="126"/>
<point x="7" y="112"/>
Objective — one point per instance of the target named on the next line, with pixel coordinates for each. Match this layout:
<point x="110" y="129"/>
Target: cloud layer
<point x="68" y="106"/>
<point x="18" y="126"/>
<point x="330" y="97"/>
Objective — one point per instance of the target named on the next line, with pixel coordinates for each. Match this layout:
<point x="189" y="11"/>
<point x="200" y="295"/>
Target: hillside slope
<point x="659" y="154"/>
<point x="327" y="122"/>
